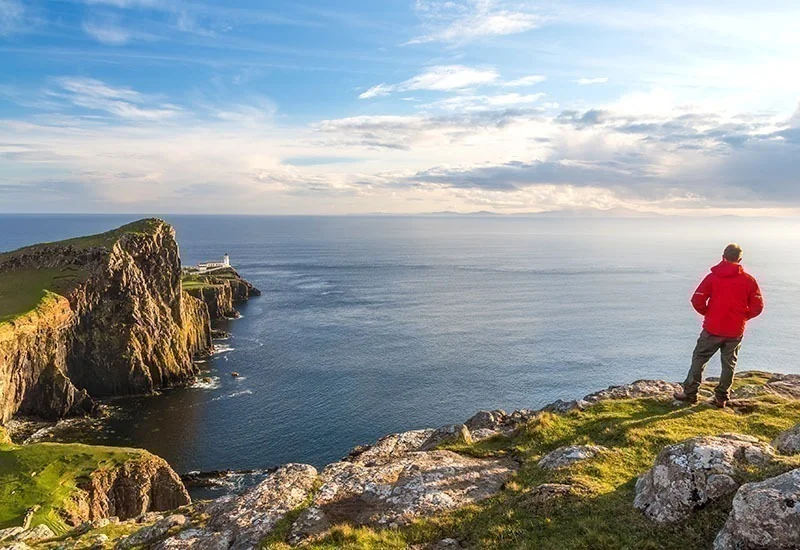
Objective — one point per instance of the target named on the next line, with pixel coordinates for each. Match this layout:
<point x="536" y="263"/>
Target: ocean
<point x="370" y="325"/>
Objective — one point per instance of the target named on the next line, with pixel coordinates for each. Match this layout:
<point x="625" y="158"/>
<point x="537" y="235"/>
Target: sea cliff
<point x="220" y="290"/>
<point x="97" y="316"/>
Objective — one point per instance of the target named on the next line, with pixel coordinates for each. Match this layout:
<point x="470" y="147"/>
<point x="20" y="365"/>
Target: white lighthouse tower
<point x="226" y="260"/>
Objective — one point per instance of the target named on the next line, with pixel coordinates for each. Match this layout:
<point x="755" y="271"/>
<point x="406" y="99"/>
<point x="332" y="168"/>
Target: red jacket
<point x="728" y="298"/>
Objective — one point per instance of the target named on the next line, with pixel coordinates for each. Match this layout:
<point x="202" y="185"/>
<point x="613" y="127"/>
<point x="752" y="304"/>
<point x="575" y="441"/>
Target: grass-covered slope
<point x="600" y="515"/>
<point x="22" y="290"/>
<point x="45" y="477"/>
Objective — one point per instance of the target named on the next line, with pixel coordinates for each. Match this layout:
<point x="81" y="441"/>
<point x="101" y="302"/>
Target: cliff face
<point x="122" y="325"/>
<point x="220" y="291"/>
<point x="147" y="484"/>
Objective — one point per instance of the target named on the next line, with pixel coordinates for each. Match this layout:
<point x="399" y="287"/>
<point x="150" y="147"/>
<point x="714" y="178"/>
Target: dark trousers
<point x="707" y="346"/>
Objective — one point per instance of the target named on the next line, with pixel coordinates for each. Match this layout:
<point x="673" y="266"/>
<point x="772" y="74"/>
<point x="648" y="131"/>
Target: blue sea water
<point x="373" y="325"/>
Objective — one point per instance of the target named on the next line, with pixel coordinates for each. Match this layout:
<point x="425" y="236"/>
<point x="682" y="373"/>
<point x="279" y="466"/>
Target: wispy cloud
<point x="485" y="102"/>
<point x="12" y="17"/>
<point x="440" y="78"/>
<point x="463" y="21"/>
<point x="125" y="103"/>
<point x="106" y="33"/>
<point x="588" y="81"/>
<point x="128" y="3"/>
<point x="525" y="81"/>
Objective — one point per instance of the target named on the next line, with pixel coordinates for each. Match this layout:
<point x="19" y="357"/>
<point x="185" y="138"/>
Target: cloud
<point x="128" y="3"/>
<point x="525" y="81"/>
<point x="463" y="21"/>
<point x="124" y="103"/>
<point x="485" y="102"/>
<point x="587" y="81"/>
<point x="404" y="133"/>
<point x="12" y="17"/>
<point x="515" y="175"/>
<point x="439" y="78"/>
<point x="106" y="33"/>
<point x="135" y="151"/>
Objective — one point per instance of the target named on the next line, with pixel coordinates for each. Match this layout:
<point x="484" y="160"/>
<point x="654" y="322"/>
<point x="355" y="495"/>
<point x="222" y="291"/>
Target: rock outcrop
<point x="115" y="322"/>
<point x="655" y="389"/>
<point x="688" y="475"/>
<point x="221" y="291"/>
<point x="152" y="533"/>
<point x="788" y="442"/>
<point x="393" y="493"/>
<point x="765" y="516"/>
<point x="146" y="484"/>
<point x="240" y="522"/>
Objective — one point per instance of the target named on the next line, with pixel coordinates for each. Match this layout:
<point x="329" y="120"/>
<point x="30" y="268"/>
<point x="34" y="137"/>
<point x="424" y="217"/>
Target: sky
<point x="399" y="106"/>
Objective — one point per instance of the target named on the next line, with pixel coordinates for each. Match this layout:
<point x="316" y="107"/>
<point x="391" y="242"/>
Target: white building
<point x="208" y="266"/>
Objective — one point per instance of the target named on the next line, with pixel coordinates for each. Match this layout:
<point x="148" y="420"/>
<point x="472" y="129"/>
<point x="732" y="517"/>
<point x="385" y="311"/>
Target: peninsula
<point x="105" y="315"/>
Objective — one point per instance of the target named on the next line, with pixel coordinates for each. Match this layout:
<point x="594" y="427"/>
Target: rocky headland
<point x="108" y="317"/>
<point x="101" y="316"/>
<point x="220" y="290"/>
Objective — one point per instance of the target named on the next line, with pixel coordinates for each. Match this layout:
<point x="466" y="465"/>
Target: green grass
<point x="21" y="291"/>
<point x="601" y="515"/>
<point x="47" y="475"/>
<point x="141" y="227"/>
<point x="190" y="281"/>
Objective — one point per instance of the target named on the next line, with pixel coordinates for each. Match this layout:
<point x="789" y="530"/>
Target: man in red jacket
<point x="727" y="298"/>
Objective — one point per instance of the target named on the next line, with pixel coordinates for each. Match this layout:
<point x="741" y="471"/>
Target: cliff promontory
<point x="96" y="316"/>
<point x="220" y="290"/>
<point x="61" y="486"/>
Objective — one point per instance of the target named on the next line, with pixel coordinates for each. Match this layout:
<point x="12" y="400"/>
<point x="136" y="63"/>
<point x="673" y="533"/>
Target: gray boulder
<point x="786" y="385"/>
<point x="564" y="456"/>
<point x="788" y="442"/>
<point x="250" y="517"/>
<point x="638" y="389"/>
<point x="454" y="433"/>
<point x="490" y="420"/>
<point x="150" y="534"/>
<point x="765" y="516"/>
<point x="197" y="539"/>
<point x="40" y="532"/>
<point x="394" y="493"/>
<point x="390" y="447"/>
<point x="688" y="475"/>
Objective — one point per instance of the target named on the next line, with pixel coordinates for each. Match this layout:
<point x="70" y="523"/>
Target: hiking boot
<point x="720" y="403"/>
<point x="681" y="396"/>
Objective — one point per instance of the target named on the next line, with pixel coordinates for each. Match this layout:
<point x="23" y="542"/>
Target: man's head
<point x="733" y="253"/>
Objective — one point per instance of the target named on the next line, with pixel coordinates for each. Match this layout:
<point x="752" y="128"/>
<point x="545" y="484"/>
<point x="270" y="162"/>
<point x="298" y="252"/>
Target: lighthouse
<point x="226" y="260"/>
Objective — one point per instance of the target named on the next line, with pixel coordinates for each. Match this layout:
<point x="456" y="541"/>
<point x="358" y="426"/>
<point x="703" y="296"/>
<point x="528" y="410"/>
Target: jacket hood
<point x="727" y="269"/>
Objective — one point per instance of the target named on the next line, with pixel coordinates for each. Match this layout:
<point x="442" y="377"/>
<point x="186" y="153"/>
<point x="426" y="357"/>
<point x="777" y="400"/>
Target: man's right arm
<point x="702" y="295"/>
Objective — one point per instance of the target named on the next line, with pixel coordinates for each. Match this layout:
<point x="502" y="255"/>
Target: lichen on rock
<point x="393" y="493"/>
<point x="765" y="516"/>
<point x="688" y="475"/>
